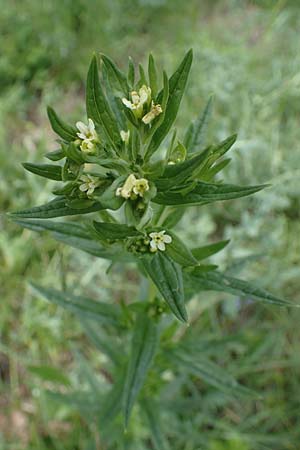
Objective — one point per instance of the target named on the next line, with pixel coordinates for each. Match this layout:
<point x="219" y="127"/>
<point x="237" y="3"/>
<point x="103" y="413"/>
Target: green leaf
<point x="50" y="171"/>
<point x="152" y="73"/>
<point x="73" y="153"/>
<point x="95" y="248"/>
<point x="200" y="127"/>
<point x="179" y="252"/>
<point x="103" y="341"/>
<point x="117" y="78"/>
<point x="55" y="208"/>
<point x="177" y="84"/>
<point x="81" y="306"/>
<point x="97" y="105"/>
<point x="49" y="373"/>
<point x="152" y="412"/>
<point x="176" y="174"/>
<point x="66" y="228"/>
<point x="56" y="155"/>
<point x="205" y="193"/>
<point x="209" y="250"/>
<point x="130" y="73"/>
<point x="65" y="131"/>
<point x="115" y="231"/>
<point x="210" y="373"/>
<point x="167" y="277"/>
<point x="216" y="281"/>
<point x="143" y="346"/>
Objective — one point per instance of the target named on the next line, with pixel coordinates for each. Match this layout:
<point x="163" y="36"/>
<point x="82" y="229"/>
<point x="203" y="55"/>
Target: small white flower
<point x="158" y="241"/>
<point x="141" y="186"/>
<point x="155" y="111"/>
<point x="132" y="187"/>
<point x="138" y="99"/>
<point x="126" y="190"/>
<point x="87" y="146"/>
<point x="87" y="131"/>
<point x="89" y="184"/>
<point x="125" y="135"/>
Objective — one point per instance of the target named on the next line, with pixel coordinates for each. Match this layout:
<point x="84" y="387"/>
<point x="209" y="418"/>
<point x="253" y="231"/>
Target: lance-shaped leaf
<point x="176" y="174"/>
<point x="217" y="281"/>
<point x="209" y="250"/>
<point x="95" y="248"/>
<point x="143" y="346"/>
<point x="210" y="373"/>
<point x="152" y="74"/>
<point x="65" y="131"/>
<point x="152" y="412"/>
<point x="115" y="230"/>
<point x="50" y="171"/>
<point x="81" y="306"/>
<point x="199" y="129"/>
<point x="66" y="228"/>
<point x="216" y="152"/>
<point x="205" y="193"/>
<point x="117" y="78"/>
<point x="130" y="72"/>
<point x="167" y="277"/>
<point x="177" y="85"/>
<point x="179" y="252"/>
<point x="97" y="106"/>
<point x="56" y="155"/>
<point x="55" y="208"/>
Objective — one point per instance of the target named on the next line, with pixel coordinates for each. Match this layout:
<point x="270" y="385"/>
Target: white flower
<point x="89" y="184"/>
<point x="141" y="186"/>
<point x="154" y="112"/>
<point x="158" y="241"/>
<point x="87" y="131"/>
<point x="125" y="135"/>
<point x="87" y="146"/>
<point x="138" y="99"/>
<point x="126" y="190"/>
<point x="133" y="186"/>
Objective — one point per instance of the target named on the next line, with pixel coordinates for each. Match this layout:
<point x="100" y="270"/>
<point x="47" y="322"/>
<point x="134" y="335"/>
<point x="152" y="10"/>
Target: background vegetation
<point x="247" y="55"/>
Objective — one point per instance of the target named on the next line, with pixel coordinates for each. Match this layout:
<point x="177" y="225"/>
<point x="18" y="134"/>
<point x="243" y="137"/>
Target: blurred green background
<point x="247" y="53"/>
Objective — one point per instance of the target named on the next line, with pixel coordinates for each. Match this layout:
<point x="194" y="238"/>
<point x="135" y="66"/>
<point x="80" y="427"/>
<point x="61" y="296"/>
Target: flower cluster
<point x="88" y="136"/>
<point x="139" y="102"/>
<point x="133" y="187"/>
<point x="153" y="242"/>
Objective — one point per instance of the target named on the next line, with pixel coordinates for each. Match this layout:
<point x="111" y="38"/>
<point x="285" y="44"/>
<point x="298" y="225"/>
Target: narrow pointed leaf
<point x="152" y="75"/>
<point x="97" y="105"/>
<point x="50" y="171"/>
<point x="209" y="250"/>
<point x="66" y="228"/>
<point x="82" y="306"/>
<point x="117" y="78"/>
<point x="179" y="252"/>
<point x="211" y="374"/>
<point x="152" y="412"/>
<point x="55" y="208"/>
<point x="143" y="346"/>
<point x="167" y="277"/>
<point x="65" y="131"/>
<point x="55" y="155"/>
<point x="177" y="84"/>
<point x="115" y="230"/>
<point x="200" y="127"/>
<point x="216" y="281"/>
<point x="205" y="193"/>
<point x="176" y="174"/>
